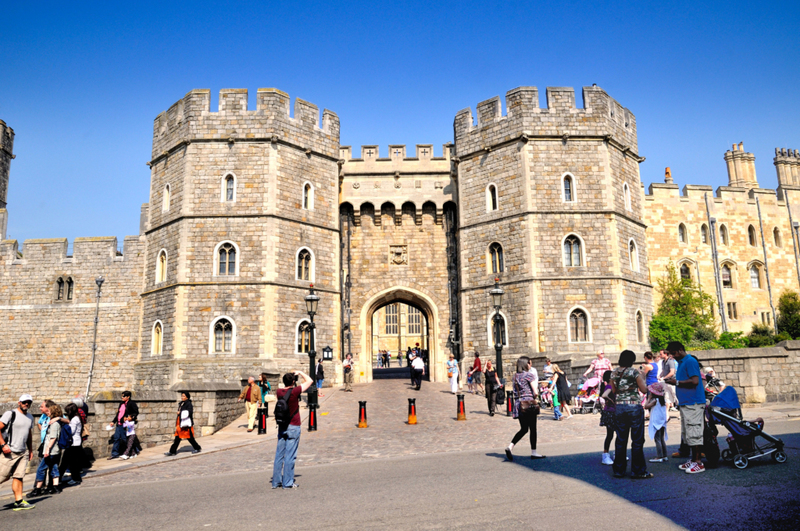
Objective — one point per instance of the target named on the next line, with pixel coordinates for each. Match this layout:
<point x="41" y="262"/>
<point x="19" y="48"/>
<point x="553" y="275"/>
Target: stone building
<point x="248" y="208"/>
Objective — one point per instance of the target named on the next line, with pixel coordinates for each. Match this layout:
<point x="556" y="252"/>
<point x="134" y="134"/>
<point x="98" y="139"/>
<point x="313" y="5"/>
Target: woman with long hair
<point x="562" y="388"/>
<point x="492" y="385"/>
<point x="526" y="406"/>
<point x="607" y="398"/>
<point x="73" y="454"/>
<point x="50" y="454"/>
<point x="627" y="383"/>
<point x="184" y="425"/>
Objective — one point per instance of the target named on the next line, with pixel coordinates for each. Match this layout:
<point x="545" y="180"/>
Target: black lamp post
<point x="312" y="301"/>
<point x="497" y="301"/>
<point x="99" y="281"/>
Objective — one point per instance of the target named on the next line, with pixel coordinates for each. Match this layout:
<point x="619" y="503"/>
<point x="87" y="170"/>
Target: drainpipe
<point x="715" y="259"/>
<point x="766" y="265"/>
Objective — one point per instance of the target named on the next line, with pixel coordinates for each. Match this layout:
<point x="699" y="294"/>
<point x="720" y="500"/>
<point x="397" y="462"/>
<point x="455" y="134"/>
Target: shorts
<point x="12" y="466"/>
<point x="476" y="377"/>
<point x="692" y="424"/>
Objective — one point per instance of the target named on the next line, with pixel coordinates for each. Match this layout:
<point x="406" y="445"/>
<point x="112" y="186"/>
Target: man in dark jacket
<point x="120" y="439"/>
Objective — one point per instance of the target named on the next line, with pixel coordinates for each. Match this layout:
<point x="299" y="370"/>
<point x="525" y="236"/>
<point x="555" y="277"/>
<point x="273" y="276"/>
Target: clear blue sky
<point x="81" y="83"/>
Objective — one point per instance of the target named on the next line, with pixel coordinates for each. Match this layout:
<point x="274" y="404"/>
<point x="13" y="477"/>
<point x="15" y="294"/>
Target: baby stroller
<point x="545" y="396"/>
<point x="742" y="445"/>
<point x="588" y="399"/>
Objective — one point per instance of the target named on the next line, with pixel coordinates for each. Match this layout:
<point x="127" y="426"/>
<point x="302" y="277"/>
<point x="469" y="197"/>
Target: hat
<point x="657" y="388"/>
<point x="26" y="398"/>
<point x="78" y="401"/>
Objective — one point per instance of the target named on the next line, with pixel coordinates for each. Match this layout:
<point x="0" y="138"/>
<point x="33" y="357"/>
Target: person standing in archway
<point x="418" y="368"/>
<point x="452" y="373"/>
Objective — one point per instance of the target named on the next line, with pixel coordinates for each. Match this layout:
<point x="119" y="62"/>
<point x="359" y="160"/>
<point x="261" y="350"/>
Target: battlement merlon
<point x="787" y="165"/>
<point x="601" y="117"/>
<point x="101" y="249"/>
<point x="396" y="152"/>
<point x="190" y="119"/>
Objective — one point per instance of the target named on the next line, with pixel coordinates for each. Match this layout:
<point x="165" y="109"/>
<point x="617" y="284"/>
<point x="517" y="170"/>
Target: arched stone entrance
<point x="412" y="297"/>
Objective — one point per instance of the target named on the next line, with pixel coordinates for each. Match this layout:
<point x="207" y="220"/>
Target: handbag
<point x="41" y="451"/>
<point x="186" y="422"/>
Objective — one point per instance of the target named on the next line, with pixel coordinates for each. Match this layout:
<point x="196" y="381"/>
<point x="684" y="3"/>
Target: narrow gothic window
<point x="414" y="320"/>
<point x="157" y="335"/>
<point x="60" y="290"/>
<point x="727" y="282"/>
<point x="304" y="265"/>
<point x="568" y="188"/>
<point x="391" y="319"/>
<point x="502" y="339"/>
<point x="704" y="233"/>
<point x="227" y="259"/>
<point x="165" y="204"/>
<point x="633" y="255"/>
<point x="723" y="234"/>
<point x="639" y="327"/>
<point x="303" y="338"/>
<point x="751" y="235"/>
<point x="496" y="252"/>
<point x="682" y="233"/>
<point x="223" y="336"/>
<point x="578" y="326"/>
<point x="755" y="277"/>
<point x="70" y="286"/>
<point x="776" y="235"/>
<point x="685" y="273"/>
<point x="307" y="196"/>
<point x="572" y="251"/>
<point x="491" y="202"/>
<point x="161" y="267"/>
<point x="230" y="183"/>
<point x="627" y="193"/>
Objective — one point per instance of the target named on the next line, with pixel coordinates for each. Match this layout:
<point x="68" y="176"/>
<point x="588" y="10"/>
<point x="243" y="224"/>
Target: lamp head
<point x="312" y="301"/>
<point x="99" y="281"/>
<point x="497" y="294"/>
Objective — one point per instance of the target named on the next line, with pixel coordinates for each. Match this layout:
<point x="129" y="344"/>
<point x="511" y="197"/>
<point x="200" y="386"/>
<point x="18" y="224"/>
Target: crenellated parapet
<point x="190" y="120"/>
<point x="55" y="250"/>
<point x="602" y="117"/>
<point x="6" y="155"/>
<point x="787" y="165"/>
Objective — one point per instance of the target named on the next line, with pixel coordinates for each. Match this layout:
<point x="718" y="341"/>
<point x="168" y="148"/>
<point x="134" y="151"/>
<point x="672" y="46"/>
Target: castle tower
<point x="741" y="167"/>
<point x="787" y="164"/>
<point x="243" y="218"/>
<point x="550" y="203"/>
<point x="6" y="155"/>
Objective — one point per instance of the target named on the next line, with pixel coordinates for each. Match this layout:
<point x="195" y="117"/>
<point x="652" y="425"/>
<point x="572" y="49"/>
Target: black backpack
<point x="281" y="413"/>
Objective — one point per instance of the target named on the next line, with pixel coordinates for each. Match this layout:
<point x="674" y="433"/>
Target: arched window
<point x="723" y="234"/>
<point x="304" y="265"/>
<point x="70" y="286"/>
<point x="751" y="235"/>
<point x="60" y="289"/>
<point x="686" y="273"/>
<point x="308" y="196"/>
<point x="569" y="189"/>
<point x="682" y="233"/>
<point x="704" y="233"/>
<point x="727" y="279"/>
<point x="229" y="188"/>
<point x="157" y="339"/>
<point x="633" y="255"/>
<point x="303" y="337"/>
<point x="492" y="331"/>
<point x="496" y="257"/>
<point x="223" y="335"/>
<point x="626" y="191"/>
<point x="572" y="251"/>
<point x="639" y="327"/>
<point x="226" y="259"/>
<point x="776" y="236"/>
<point x="161" y="266"/>
<point x="165" y="202"/>
<point x="392" y="319"/>
<point x="491" y="198"/>
<point x="755" y="277"/>
<point x="578" y="326"/>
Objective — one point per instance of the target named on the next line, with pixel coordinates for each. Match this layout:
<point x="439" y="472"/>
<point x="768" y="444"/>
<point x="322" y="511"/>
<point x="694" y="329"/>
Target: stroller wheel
<point x="727" y="455"/>
<point x="740" y="461"/>
<point x="779" y="456"/>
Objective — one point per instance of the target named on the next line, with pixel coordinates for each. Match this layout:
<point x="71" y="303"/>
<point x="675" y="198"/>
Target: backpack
<point x="281" y="413"/>
<point x="65" y="437"/>
<point x="9" y="429"/>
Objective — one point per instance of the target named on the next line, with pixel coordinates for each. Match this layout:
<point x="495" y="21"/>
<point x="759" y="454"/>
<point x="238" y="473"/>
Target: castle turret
<point x="741" y="167"/>
<point x="6" y="154"/>
<point x="787" y="164"/>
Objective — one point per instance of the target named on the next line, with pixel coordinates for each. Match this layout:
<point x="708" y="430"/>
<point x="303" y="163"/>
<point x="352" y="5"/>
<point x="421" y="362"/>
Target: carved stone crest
<point x="398" y="254"/>
<point x="356" y="185"/>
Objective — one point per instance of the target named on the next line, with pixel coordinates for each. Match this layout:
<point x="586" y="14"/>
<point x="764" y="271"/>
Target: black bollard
<point x="462" y="414"/>
<point x="509" y="402"/>
<point x="362" y="414"/>
<point x="262" y="413"/>
<point x="312" y="417"/>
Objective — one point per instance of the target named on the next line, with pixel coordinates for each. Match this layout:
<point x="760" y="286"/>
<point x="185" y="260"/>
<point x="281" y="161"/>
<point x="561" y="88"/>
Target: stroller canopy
<point x="727" y="399"/>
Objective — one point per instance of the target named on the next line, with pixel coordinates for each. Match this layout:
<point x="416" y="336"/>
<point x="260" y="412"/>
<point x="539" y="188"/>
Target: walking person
<point x="452" y="373"/>
<point x="126" y="407"/>
<point x="658" y="420"/>
<point x="418" y="368"/>
<point x="16" y="438"/>
<point x="348" y="366"/>
<point x="627" y="383"/>
<point x="289" y="432"/>
<point x="320" y="377"/>
<point x="526" y="407"/>
<point x="266" y="388"/>
<point x="692" y="400"/>
<point x="251" y="395"/>
<point x="476" y="372"/>
<point x="492" y="385"/>
<point x="608" y="399"/>
<point x="599" y="365"/>
<point x="50" y="455"/>
<point x="73" y="455"/>
<point x="669" y="369"/>
<point x="41" y="469"/>
<point x="184" y="425"/>
<point x="134" y="447"/>
<point x="562" y="387"/>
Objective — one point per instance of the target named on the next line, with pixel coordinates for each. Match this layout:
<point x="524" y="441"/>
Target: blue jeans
<point x="319" y="384"/>
<point x="285" y="456"/>
<point x="120" y="441"/>
<point x="629" y="419"/>
<point x="41" y="471"/>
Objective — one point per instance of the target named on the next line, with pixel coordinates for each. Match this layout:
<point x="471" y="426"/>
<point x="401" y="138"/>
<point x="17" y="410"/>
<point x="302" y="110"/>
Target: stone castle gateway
<point x="249" y="207"/>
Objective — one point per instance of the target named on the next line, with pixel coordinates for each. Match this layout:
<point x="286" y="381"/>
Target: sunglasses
<point x="27" y="402"/>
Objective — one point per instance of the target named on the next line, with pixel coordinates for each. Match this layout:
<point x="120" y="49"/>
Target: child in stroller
<point x="545" y="396"/>
<point x="588" y="399"/>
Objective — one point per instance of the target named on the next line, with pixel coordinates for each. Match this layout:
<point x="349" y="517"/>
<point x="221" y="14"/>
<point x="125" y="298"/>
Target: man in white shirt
<point x="419" y="371"/>
<point x="16" y="434"/>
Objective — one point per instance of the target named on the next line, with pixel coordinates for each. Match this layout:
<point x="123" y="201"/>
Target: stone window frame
<point x="312" y="266"/>
<point x="65" y="289"/>
<point x="490" y="329"/>
<point x="157" y="347"/>
<point x="732" y="310"/>
<point x="752" y="239"/>
<point x="705" y="237"/>
<point x="777" y="237"/>
<point x="215" y="271"/>
<point x="732" y="267"/>
<point x="307" y="196"/>
<point x="724" y="234"/>
<point x="638" y="320"/>
<point x="489" y="198"/>
<point x="166" y="198"/>
<point x="161" y="270"/>
<point x="633" y="256"/>
<point x="690" y="264"/>
<point x="297" y="333"/>
<point x="759" y="267"/>
<point x="573" y="188"/>
<point x="626" y="195"/>
<point x="588" y="324"/>
<point x="211" y="343"/>
<point x="223" y="195"/>
<point x="583" y="250"/>
<point x="683" y="234"/>
<point x="489" y="259"/>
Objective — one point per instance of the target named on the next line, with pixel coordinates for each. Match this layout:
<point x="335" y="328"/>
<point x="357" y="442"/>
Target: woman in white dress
<point x="452" y="373"/>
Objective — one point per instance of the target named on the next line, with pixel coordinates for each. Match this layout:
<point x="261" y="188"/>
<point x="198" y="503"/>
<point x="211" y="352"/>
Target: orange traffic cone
<point x="362" y="414"/>
<point x="462" y="415"/>
<point x="412" y="411"/>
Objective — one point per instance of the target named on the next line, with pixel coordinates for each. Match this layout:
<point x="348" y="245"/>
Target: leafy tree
<point x="666" y="328"/>
<point x="732" y="340"/>
<point x="789" y="313"/>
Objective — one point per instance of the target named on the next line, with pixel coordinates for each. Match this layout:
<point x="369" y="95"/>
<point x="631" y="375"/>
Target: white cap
<point x="25" y="398"/>
<point x="78" y="401"/>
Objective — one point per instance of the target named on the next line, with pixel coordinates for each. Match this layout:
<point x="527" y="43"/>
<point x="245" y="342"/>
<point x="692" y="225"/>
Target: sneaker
<point x="294" y="486"/>
<point x="35" y="493"/>
<point x="197" y="451"/>
<point x="607" y="459"/>
<point x="72" y="483"/>
<point x="169" y="454"/>
<point x="126" y="457"/>
<point x="509" y="455"/>
<point x="22" y="505"/>
<point x="278" y="486"/>
<point x="696" y="468"/>
<point x="686" y="465"/>
<point x="658" y="459"/>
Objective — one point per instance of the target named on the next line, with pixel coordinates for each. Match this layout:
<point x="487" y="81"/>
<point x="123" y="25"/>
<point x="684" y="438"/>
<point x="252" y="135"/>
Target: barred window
<point x="391" y="319"/>
<point x="578" y="327"/>
<point x="414" y="320"/>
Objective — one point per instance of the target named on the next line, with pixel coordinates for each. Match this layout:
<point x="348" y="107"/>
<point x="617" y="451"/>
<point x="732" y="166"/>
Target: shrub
<point x="666" y="328"/>
<point x="789" y="314"/>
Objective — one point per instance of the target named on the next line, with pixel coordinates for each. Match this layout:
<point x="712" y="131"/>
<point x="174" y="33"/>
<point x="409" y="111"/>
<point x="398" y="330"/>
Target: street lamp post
<point x="312" y="301"/>
<point x="99" y="281"/>
<point x="497" y="301"/>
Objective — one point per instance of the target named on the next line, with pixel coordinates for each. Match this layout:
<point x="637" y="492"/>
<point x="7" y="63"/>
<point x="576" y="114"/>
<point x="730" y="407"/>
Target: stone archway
<point x="412" y="297"/>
